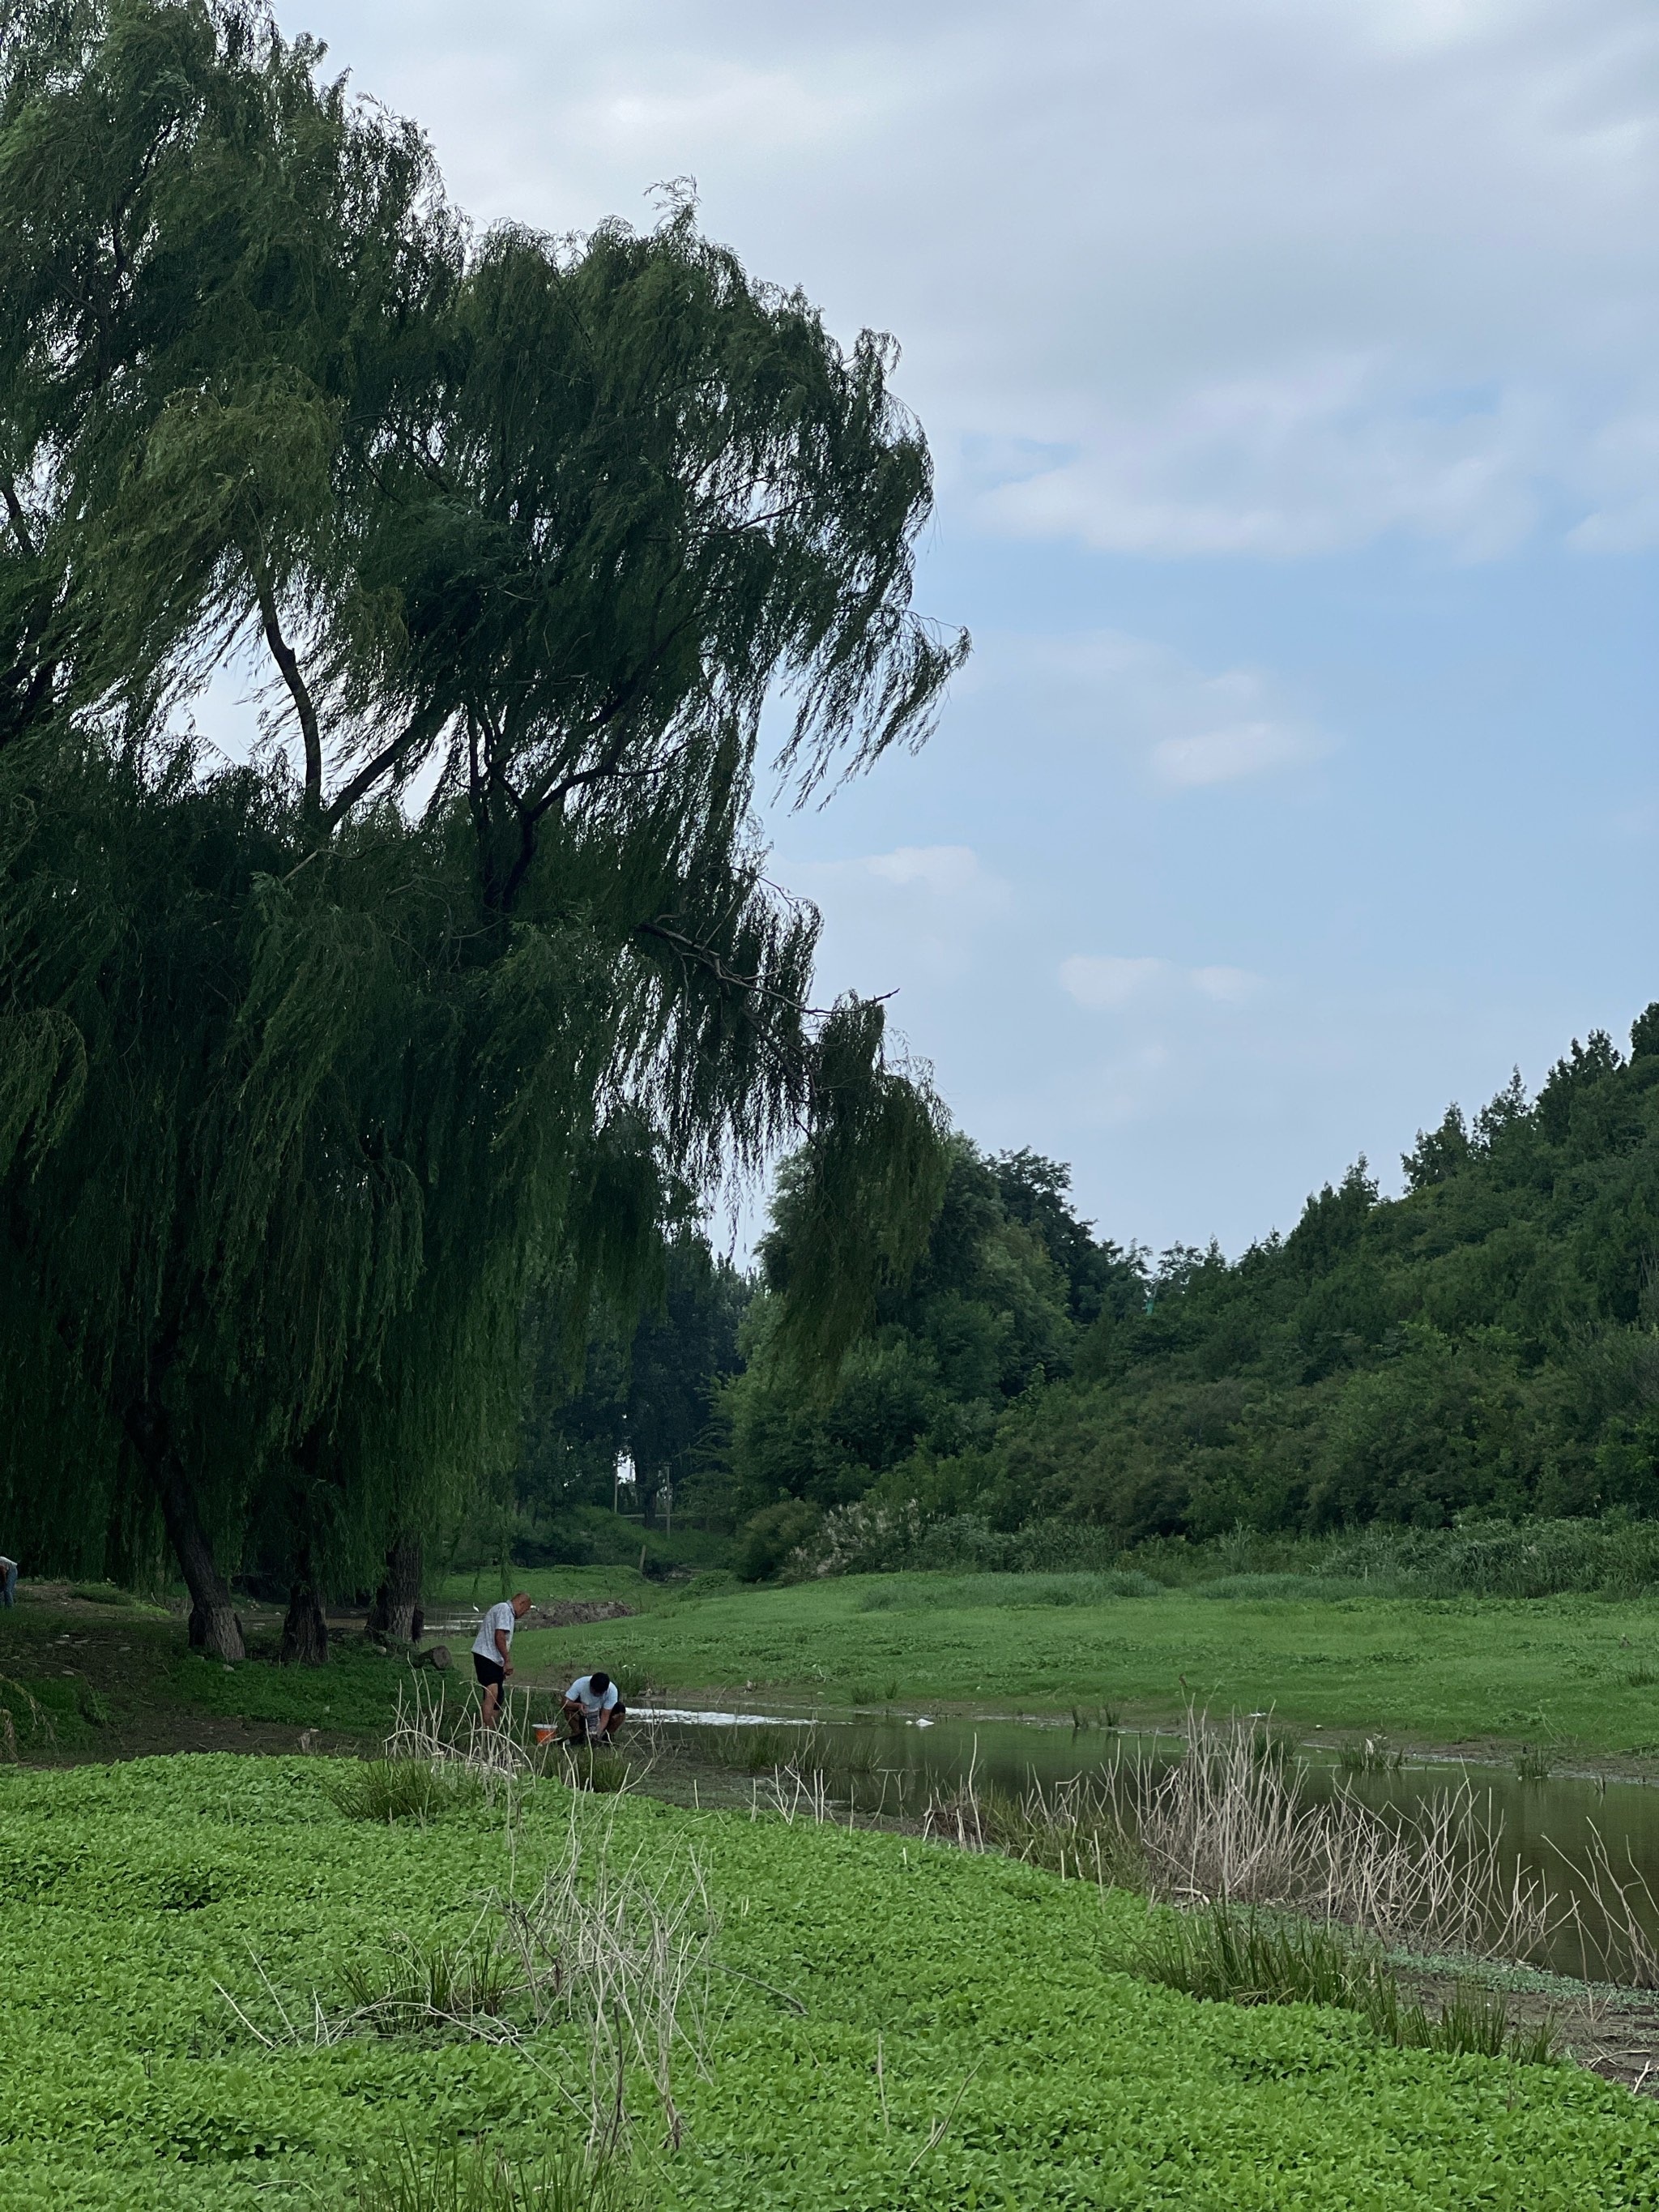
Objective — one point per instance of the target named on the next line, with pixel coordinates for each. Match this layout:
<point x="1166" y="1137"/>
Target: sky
<point x="1291" y="376"/>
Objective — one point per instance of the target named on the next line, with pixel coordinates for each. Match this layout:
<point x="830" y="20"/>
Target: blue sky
<point x="1292" y="377"/>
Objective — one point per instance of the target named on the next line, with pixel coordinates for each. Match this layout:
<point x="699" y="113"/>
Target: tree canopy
<point x="321" y="1068"/>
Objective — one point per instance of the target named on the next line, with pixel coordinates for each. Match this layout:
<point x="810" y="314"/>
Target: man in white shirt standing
<point x="492" y="1650"/>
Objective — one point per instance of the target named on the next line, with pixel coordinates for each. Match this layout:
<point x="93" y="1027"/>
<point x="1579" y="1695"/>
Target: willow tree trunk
<point x="397" y="1601"/>
<point x="305" y="1632"/>
<point x="214" y="1627"/>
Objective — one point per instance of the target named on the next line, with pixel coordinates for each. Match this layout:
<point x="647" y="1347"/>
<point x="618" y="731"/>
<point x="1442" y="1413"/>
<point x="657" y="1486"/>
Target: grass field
<point x="894" y="2024"/>
<point x="1581" y="1673"/>
<point x="1471" y="1672"/>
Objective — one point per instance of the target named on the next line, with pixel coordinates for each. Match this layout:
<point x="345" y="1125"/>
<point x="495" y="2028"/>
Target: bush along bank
<point x="1478" y="1557"/>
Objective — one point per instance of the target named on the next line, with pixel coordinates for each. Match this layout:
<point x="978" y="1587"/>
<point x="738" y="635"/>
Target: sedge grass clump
<point x="390" y="1789"/>
<point x="1237" y="1955"/>
<point x="749" y="1750"/>
<point x="601" y="1772"/>
<point x="474" y="2177"/>
<point x="1231" y="1954"/>
<point x="1478" y="2021"/>
<point x="1371" y="1754"/>
<point x="411" y="1988"/>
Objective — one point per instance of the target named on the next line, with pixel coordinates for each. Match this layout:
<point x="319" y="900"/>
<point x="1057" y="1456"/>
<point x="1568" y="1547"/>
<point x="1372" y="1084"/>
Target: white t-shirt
<point x="581" y="1693"/>
<point x="499" y="1616"/>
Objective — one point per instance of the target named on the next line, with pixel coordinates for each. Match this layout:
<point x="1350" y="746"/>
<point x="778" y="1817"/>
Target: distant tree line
<point x="1487" y="1343"/>
<point x="338" y="1084"/>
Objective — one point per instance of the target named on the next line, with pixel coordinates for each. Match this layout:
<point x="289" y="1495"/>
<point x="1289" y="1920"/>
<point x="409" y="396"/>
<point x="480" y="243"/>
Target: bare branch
<point x="288" y="661"/>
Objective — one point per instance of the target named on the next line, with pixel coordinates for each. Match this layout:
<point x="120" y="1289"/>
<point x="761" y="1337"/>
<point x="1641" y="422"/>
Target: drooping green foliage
<point x="323" y="1073"/>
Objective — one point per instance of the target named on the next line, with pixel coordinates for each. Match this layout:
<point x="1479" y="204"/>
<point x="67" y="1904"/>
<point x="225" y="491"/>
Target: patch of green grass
<point x="1434" y="1671"/>
<point x="103" y="1594"/>
<point x="1278" y="1589"/>
<point x="356" y="1690"/>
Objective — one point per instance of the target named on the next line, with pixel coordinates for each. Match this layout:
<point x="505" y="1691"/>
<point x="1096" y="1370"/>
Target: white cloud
<point x="916" y="914"/>
<point x="1224" y="755"/>
<point x="1232" y="987"/>
<point x="944" y="870"/>
<point x="1188" y="728"/>
<point x="1100" y="982"/>
<point x="1106" y="983"/>
<point x="1244" y="276"/>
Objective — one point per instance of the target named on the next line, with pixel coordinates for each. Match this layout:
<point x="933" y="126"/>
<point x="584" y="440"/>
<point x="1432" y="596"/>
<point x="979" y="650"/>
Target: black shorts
<point x="488" y="1670"/>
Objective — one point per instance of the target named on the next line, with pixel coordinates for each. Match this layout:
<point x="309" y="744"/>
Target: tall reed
<point x="1228" y="1822"/>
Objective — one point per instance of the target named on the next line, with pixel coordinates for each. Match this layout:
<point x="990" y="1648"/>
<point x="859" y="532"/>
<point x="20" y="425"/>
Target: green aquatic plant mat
<point x="894" y="2024"/>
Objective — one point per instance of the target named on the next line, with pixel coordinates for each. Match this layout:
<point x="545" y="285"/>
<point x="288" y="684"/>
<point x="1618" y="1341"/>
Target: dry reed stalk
<point x="628" y="1954"/>
<point x="795" y="1792"/>
<point x="425" y="1731"/>
<point x="1228" y="1822"/>
<point x="1625" y="1909"/>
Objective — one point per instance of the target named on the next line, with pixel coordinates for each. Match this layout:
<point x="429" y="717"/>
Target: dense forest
<point x="1487" y="1343"/>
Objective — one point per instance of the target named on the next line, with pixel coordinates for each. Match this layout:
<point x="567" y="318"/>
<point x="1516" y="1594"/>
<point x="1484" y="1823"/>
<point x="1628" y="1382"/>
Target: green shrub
<point x="767" y="1538"/>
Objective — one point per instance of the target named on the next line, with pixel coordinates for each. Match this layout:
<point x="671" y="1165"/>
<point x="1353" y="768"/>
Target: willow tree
<point x="323" y="1064"/>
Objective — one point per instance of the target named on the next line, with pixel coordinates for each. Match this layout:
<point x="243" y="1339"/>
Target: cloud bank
<point x="1224" y="277"/>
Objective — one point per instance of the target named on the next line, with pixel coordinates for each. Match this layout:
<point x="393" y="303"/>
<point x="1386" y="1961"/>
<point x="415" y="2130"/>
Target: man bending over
<point x="593" y="1709"/>
<point x="492" y="1650"/>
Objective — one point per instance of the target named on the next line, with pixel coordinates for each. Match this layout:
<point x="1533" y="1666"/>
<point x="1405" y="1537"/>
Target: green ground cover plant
<point x="896" y="2024"/>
